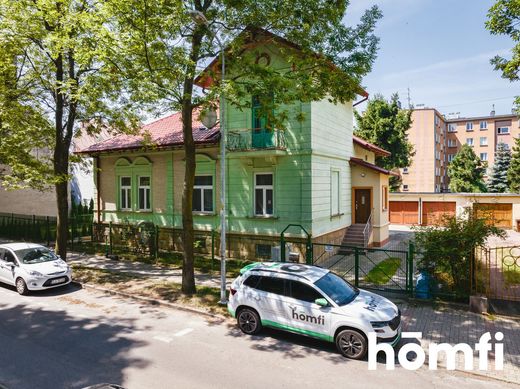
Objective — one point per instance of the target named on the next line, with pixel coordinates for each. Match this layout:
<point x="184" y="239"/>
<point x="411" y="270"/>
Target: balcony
<point x="256" y="139"/>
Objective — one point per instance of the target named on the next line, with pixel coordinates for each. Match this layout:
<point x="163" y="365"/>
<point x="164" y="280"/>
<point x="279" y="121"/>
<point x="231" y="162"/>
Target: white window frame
<point x="452" y="127"/>
<point x="405" y="187"/>
<point x="335" y="207"/>
<point x="405" y="170"/>
<point x="472" y="143"/>
<point x="469" y="126"/>
<point x="264" y="188"/>
<point x="500" y="130"/>
<point x="450" y="157"/>
<point x="483" y="159"/>
<point x="202" y="188"/>
<point x="483" y="141"/>
<point x="147" y="193"/>
<point x="483" y="125"/>
<point x="125" y="192"/>
<point x="452" y="143"/>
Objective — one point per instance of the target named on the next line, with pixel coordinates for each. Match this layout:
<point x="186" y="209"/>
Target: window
<point x="437" y="188"/>
<point x="503" y="130"/>
<point x="483" y="156"/>
<point x="452" y="143"/>
<point x="452" y="127"/>
<point x="263" y="251"/>
<point x="334" y="193"/>
<point x="469" y="126"/>
<point x="144" y="192"/>
<point x="438" y="155"/>
<point x="437" y="171"/>
<point x="125" y="196"/>
<point x="483" y="141"/>
<point x="338" y="290"/>
<point x="203" y="194"/>
<point x="264" y="194"/>
<point x="260" y="119"/>
<point x="9" y="257"/>
<point x="437" y="120"/>
<point x="483" y="125"/>
<point x="405" y="187"/>
<point x="252" y="281"/>
<point x="437" y="138"/>
<point x="405" y="170"/>
<point x="299" y="291"/>
<point x="385" y="197"/>
<point x="271" y="285"/>
<point x="469" y="141"/>
<point x="450" y="157"/>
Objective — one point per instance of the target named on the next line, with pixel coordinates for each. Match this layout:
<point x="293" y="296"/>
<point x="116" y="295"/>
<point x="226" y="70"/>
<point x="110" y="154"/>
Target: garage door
<point x="500" y="215"/>
<point x="433" y="212"/>
<point x="404" y="212"/>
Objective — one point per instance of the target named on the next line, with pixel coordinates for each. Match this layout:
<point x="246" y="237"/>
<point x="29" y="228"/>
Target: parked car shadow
<point x="49" y="349"/>
<point x="58" y="291"/>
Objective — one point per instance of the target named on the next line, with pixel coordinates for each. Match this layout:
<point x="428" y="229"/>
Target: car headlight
<point x="379" y="324"/>
<point x="36" y="274"/>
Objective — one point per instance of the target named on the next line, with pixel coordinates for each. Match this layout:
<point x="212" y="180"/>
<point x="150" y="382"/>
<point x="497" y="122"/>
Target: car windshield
<point x="339" y="290"/>
<point x="35" y="255"/>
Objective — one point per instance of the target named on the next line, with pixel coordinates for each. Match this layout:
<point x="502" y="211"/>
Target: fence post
<point x="212" y="248"/>
<point x="409" y="276"/>
<point x="356" y="266"/>
<point x="309" y="251"/>
<point x="282" y="247"/>
<point x="110" y="236"/>
<point x="156" y="241"/>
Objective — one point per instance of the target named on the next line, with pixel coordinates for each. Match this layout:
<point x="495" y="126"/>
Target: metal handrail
<point x="242" y="140"/>
<point x="368" y="229"/>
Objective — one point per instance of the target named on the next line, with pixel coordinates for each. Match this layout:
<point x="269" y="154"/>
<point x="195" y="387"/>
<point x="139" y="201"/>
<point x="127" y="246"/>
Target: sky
<point x="440" y="50"/>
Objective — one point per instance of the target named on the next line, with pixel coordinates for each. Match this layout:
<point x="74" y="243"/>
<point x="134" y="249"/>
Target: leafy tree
<point x="91" y="206"/>
<point x="513" y="174"/>
<point x="167" y="43"/>
<point x="61" y="67"/>
<point x="386" y="125"/>
<point x="448" y="249"/>
<point x="504" y="19"/>
<point x="466" y="172"/>
<point x="498" y="182"/>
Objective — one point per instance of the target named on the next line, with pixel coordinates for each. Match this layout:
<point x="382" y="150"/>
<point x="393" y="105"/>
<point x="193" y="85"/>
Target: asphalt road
<point x="72" y="338"/>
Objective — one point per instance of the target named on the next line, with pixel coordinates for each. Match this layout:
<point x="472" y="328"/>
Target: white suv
<point x="312" y="301"/>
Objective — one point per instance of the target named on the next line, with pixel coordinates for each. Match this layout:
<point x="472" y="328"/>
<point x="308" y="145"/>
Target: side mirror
<point x="321" y="302"/>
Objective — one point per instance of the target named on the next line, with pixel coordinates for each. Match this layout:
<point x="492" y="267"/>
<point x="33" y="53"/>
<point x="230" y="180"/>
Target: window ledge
<point x="196" y="213"/>
<point x="336" y="215"/>
<point x="143" y="211"/>
<point x="262" y="217"/>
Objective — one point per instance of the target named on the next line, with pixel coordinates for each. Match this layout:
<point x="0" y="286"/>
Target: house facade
<point x="313" y="173"/>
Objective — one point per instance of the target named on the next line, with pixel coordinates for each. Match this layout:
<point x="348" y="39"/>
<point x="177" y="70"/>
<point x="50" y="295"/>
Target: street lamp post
<point x="199" y="18"/>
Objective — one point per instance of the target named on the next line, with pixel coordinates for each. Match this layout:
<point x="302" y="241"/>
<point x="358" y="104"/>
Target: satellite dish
<point x="208" y="117"/>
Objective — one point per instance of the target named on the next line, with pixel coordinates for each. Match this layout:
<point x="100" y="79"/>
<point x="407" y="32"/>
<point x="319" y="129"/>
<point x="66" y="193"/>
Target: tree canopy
<point x="386" y="124"/>
<point x="498" y="181"/>
<point x="466" y="172"/>
<point x="504" y="19"/>
<point x="513" y="174"/>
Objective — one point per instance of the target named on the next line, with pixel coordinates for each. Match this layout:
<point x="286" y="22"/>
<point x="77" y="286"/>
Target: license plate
<point x="57" y="281"/>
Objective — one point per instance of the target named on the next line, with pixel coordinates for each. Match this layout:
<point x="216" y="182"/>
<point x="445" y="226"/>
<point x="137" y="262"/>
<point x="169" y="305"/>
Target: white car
<point x="31" y="266"/>
<point x="312" y="301"/>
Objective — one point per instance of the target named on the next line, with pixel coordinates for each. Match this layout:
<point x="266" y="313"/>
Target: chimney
<point x="493" y="111"/>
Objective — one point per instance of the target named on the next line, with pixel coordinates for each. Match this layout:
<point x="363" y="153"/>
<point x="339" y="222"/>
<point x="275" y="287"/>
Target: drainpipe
<point x="98" y="189"/>
<point x="365" y="98"/>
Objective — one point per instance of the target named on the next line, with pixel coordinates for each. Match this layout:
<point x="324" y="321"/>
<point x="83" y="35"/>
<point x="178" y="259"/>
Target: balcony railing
<point x="256" y="139"/>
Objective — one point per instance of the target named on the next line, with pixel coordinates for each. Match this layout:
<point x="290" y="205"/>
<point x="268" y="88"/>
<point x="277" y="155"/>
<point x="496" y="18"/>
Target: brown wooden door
<point x="363" y="205"/>
<point x="433" y="212"/>
<point x="404" y="212"/>
<point x="499" y="215"/>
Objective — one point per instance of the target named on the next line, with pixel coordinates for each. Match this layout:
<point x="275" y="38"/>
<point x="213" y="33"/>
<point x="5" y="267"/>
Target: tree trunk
<point x="188" y="274"/>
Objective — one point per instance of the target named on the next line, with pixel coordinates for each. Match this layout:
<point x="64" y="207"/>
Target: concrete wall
<point x="28" y="202"/>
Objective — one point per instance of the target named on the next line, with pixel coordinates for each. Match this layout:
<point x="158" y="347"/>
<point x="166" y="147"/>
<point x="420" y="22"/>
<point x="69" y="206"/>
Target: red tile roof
<point x="165" y="132"/>
<point x="370" y="146"/>
<point x="360" y="162"/>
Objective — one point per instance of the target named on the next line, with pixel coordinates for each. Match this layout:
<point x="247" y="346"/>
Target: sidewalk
<point x="440" y="323"/>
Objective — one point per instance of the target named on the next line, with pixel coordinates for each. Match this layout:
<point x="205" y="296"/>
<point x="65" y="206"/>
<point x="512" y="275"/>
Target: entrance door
<point x="362" y="203"/>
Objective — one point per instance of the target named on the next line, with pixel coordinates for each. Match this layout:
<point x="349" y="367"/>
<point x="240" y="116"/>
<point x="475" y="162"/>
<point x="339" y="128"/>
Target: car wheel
<point x="21" y="286"/>
<point x="352" y="344"/>
<point x="249" y="321"/>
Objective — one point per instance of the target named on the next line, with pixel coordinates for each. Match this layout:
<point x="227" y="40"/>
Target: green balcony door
<point x="263" y="134"/>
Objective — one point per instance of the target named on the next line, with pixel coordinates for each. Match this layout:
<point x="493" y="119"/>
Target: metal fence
<point x="369" y="268"/>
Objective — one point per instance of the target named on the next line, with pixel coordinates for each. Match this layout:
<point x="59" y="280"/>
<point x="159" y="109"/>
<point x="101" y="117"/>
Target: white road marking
<point x="183" y="332"/>
<point x="164" y="339"/>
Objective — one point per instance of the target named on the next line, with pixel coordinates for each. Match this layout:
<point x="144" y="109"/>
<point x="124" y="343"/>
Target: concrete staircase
<point x="354" y="236"/>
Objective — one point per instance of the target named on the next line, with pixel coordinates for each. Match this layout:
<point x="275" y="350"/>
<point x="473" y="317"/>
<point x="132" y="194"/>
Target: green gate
<point x="369" y="268"/>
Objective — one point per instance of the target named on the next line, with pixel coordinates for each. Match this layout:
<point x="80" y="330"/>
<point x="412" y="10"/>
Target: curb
<point x="150" y="301"/>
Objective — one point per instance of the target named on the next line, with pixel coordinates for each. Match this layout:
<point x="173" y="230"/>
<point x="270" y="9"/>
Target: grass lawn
<point x="206" y="298"/>
<point x="512" y="276"/>
<point x="383" y="271"/>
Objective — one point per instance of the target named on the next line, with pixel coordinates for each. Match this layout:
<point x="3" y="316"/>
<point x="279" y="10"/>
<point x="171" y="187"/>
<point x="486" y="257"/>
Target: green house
<point x="314" y="173"/>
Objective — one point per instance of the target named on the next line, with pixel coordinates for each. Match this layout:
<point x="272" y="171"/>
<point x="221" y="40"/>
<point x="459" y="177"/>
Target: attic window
<point x="366" y="157"/>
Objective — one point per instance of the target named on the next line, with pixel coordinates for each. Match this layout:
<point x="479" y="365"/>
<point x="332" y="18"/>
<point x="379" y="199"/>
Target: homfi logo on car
<point x="371" y="304"/>
<point x="483" y="347"/>
<point x="302" y="316"/>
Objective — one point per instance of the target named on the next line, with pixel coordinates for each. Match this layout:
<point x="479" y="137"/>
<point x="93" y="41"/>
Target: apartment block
<point x="437" y="139"/>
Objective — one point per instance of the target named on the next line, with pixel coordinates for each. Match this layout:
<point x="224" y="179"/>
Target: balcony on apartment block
<point x="256" y="139"/>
